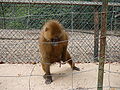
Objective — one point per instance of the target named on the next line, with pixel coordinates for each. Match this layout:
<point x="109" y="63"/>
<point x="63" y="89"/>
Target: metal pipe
<point x="102" y="44"/>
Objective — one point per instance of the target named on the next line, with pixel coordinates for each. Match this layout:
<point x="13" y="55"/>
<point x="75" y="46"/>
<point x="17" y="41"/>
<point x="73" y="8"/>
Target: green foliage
<point x="15" y="24"/>
<point x="33" y="16"/>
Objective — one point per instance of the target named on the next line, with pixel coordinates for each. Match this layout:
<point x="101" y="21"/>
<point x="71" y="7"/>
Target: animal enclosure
<point x="21" y="22"/>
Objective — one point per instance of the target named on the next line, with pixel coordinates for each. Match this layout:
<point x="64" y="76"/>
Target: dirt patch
<point x="21" y="46"/>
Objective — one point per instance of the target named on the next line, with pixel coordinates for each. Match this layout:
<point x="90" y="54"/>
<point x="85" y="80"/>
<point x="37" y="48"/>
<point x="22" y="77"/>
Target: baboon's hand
<point x="64" y="59"/>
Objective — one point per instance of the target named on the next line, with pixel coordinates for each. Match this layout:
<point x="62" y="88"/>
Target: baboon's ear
<point x="46" y="29"/>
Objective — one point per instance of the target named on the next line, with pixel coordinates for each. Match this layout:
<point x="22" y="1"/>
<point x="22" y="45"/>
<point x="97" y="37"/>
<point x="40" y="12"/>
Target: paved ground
<point x="17" y="77"/>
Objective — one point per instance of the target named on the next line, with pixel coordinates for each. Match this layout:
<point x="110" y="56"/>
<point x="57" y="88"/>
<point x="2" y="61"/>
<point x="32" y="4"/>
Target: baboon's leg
<point x="47" y="76"/>
<point x="71" y="63"/>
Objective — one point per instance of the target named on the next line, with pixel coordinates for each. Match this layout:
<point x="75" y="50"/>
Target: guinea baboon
<point x="53" y="43"/>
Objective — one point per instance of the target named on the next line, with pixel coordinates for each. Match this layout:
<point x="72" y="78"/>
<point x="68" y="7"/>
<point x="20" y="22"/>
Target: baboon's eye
<point x="46" y="29"/>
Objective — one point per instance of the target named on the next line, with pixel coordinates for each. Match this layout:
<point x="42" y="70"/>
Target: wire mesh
<point x="21" y="23"/>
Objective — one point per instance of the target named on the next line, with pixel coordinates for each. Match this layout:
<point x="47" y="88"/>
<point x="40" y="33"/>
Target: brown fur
<point x="53" y="31"/>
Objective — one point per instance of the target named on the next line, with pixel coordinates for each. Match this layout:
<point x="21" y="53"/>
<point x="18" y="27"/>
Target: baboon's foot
<point x="76" y="68"/>
<point x="48" y="79"/>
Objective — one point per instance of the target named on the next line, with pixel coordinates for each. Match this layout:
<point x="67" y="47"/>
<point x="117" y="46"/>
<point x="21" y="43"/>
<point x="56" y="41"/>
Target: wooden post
<point x="96" y="32"/>
<point x="102" y="44"/>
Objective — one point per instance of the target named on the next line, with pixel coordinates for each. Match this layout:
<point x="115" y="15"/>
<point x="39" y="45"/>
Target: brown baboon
<point x="53" y="47"/>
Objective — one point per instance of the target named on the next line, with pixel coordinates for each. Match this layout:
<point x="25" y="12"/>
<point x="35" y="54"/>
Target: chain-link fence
<point x="21" y="22"/>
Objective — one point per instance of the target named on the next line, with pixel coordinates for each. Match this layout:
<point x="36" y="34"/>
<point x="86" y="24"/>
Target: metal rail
<point x="60" y="2"/>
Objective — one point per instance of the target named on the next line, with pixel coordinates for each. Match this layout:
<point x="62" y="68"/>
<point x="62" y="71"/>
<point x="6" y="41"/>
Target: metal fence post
<point x="102" y="44"/>
<point x="96" y="32"/>
<point x="3" y="19"/>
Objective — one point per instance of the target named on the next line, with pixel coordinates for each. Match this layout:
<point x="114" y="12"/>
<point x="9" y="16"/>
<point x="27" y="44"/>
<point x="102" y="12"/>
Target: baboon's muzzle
<point x="55" y="41"/>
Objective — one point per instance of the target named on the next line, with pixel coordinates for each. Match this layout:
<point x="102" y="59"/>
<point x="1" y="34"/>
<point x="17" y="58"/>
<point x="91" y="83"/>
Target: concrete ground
<point x="17" y="77"/>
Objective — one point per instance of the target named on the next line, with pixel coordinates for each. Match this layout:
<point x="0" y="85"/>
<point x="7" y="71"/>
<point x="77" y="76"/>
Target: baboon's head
<point x="52" y="31"/>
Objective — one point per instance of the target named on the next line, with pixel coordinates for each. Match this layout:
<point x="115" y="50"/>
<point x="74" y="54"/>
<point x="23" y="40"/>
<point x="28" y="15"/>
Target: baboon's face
<point x="52" y="32"/>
